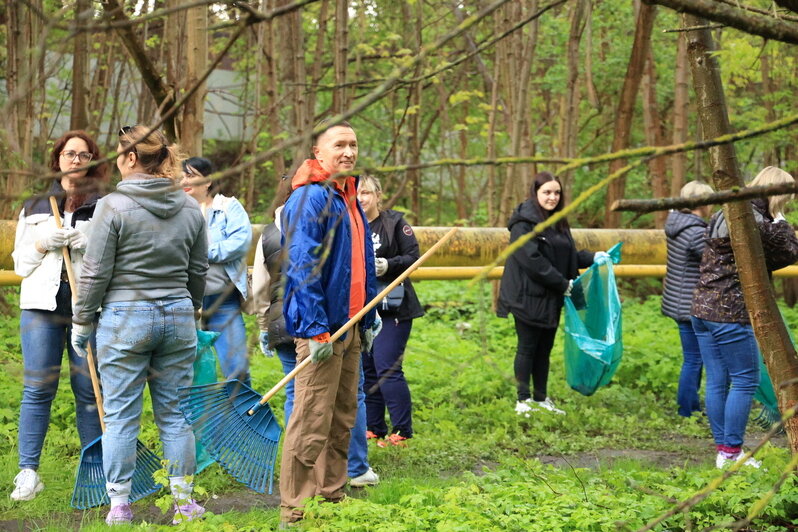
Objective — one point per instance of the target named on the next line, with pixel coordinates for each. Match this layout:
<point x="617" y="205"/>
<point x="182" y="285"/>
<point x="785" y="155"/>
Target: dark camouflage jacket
<point x="718" y="296"/>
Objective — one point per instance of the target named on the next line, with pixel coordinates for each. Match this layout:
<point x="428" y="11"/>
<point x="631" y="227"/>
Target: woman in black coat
<point x="396" y="248"/>
<point x="536" y="278"/>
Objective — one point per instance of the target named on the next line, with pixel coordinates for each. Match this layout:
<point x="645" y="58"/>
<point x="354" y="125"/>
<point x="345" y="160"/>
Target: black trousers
<point x="532" y="360"/>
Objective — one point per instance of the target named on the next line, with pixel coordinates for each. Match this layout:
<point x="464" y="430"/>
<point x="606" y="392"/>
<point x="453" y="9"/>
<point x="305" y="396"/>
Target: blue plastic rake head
<point x="244" y="445"/>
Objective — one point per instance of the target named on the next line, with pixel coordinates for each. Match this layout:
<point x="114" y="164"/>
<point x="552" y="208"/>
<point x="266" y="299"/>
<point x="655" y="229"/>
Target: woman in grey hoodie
<point x="684" y="231"/>
<point x="145" y="264"/>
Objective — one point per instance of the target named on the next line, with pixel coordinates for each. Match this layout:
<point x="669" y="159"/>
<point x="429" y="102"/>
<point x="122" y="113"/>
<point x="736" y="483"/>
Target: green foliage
<point x="616" y="458"/>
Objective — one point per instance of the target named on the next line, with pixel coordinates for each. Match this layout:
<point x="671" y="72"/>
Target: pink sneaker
<point x="187" y="512"/>
<point x="119" y="515"/>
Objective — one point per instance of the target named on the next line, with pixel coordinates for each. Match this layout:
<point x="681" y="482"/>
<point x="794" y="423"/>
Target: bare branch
<point x="724" y="196"/>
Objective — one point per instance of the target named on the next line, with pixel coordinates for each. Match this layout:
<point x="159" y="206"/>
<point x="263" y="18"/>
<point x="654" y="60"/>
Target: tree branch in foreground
<point x="724" y="196"/>
<point x="765" y="26"/>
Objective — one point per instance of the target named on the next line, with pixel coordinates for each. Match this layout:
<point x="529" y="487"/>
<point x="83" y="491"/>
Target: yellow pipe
<point x="644" y="251"/>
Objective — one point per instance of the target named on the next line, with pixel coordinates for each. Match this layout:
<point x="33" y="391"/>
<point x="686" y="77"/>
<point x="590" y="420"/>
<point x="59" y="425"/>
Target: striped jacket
<point x="684" y="232"/>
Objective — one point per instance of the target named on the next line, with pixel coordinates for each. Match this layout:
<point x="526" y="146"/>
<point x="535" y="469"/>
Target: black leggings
<point x="532" y="359"/>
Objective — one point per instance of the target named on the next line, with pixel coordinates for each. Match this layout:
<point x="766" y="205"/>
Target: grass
<point x="617" y="459"/>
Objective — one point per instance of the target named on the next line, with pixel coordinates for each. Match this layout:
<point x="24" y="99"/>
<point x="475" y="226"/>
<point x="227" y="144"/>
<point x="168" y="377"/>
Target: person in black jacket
<point x="395" y="248"/>
<point x="684" y="233"/>
<point x="536" y="278"/>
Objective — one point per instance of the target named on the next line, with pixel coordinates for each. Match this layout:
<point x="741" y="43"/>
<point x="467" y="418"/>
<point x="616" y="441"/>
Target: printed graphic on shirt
<point x="407" y="230"/>
<point x="376" y="242"/>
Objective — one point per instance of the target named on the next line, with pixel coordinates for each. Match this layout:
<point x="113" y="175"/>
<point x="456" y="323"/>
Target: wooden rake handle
<point x="354" y="319"/>
<point x="95" y="382"/>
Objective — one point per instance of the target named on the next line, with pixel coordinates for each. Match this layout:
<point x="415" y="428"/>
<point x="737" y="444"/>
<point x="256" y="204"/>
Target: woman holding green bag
<point x="536" y="279"/>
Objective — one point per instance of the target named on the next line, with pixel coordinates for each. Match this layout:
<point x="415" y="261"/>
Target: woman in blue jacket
<point x="229" y="237"/>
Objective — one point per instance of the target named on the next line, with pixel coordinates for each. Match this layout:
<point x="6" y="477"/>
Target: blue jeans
<point x="151" y="342"/>
<point x="385" y="381"/>
<point x="43" y="334"/>
<point x="357" y="462"/>
<point x="231" y="346"/>
<point x="731" y="359"/>
<point x="690" y="376"/>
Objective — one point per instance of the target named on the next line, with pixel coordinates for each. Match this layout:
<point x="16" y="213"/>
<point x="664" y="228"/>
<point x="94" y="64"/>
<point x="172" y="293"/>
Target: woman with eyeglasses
<point x="229" y="234"/>
<point x="145" y="264"/>
<point x="46" y="300"/>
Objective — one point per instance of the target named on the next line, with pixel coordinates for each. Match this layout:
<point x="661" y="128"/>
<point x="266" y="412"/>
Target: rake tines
<point x="244" y="445"/>
<point x="90" y="489"/>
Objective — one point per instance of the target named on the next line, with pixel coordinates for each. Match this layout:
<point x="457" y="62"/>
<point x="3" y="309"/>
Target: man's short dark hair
<point x="327" y="124"/>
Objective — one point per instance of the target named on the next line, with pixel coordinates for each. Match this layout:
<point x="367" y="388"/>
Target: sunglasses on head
<point x="125" y="130"/>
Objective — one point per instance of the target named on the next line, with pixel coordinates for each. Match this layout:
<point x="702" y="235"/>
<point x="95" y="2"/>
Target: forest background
<point x="457" y="105"/>
<point x="535" y="81"/>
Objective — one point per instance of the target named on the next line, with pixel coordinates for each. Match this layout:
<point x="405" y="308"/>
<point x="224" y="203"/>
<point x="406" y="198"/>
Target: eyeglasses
<point x="125" y="130"/>
<point x="84" y="156"/>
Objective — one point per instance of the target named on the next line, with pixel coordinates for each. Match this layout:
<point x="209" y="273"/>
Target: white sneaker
<point x="548" y="404"/>
<point x="524" y="408"/>
<point x="28" y="484"/>
<point x="369" y="478"/>
<point x="722" y="462"/>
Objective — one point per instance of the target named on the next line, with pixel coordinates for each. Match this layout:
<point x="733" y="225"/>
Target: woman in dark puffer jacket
<point x="684" y="231"/>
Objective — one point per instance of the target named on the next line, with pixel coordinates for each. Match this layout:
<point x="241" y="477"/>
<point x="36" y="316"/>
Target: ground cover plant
<point x="617" y="460"/>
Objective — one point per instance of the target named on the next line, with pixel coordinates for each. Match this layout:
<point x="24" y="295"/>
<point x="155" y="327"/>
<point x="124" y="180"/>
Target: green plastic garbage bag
<point x="593" y="343"/>
<point x="204" y="373"/>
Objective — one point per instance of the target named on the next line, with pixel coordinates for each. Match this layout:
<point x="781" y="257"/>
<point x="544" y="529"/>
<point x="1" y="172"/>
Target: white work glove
<point x="381" y="265"/>
<point x="570" y="287"/>
<point x="77" y="240"/>
<point x="57" y="238"/>
<point x="264" y="344"/>
<point x="368" y="335"/>
<point x="320" y="351"/>
<point x="601" y="255"/>
<point x="80" y="338"/>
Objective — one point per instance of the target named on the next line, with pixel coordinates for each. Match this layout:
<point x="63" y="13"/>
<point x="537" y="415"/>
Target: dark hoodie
<point x="536" y="275"/>
<point x="148" y="241"/>
<point x="684" y="233"/>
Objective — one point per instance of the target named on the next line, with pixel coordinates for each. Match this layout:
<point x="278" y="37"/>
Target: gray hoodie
<point x="148" y="241"/>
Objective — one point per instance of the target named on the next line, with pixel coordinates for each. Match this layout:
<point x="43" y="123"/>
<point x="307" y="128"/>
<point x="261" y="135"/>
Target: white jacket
<point x="41" y="272"/>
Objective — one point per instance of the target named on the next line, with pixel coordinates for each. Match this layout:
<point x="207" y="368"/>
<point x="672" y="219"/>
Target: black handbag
<point x="394" y="298"/>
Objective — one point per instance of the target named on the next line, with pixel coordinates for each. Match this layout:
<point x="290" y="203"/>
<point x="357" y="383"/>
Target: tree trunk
<point x="569" y="103"/>
<point x="192" y="125"/>
<point x="654" y="137"/>
<point x="771" y="334"/>
<point x="626" y="105"/>
<point x="151" y="78"/>
<point x="22" y="30"/>
<point x="340" y="47"/>
<point x="79" y="118"/>
<point x="766" y="94"/>
<point x="680" y="125"/>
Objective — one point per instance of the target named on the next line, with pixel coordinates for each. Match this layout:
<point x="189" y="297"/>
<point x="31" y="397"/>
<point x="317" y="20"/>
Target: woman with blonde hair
<point x="684" y="234"/>
<point x="720" y="319"/>
<point x="145" y="264"/>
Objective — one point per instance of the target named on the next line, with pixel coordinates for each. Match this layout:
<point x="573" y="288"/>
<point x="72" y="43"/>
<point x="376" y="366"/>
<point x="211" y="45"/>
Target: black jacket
<point x="273" y="258"/>
<point x="394" y="240"/>
<point x="41" y="204"/>
<point x="684" y="232"/>
<point x="536" y="275"/>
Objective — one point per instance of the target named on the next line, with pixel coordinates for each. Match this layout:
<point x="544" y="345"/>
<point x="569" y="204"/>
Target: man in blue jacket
<point x="329" y="278"/>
